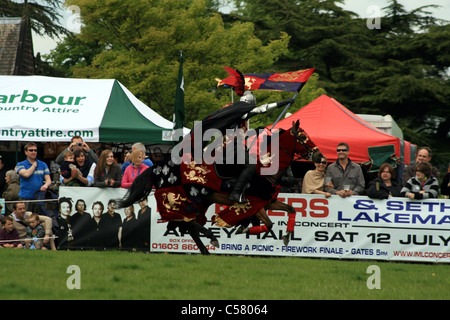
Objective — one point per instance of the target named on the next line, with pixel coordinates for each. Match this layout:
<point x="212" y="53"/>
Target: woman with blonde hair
<point x="135" y="169"/>
<point x="107" y="172"/>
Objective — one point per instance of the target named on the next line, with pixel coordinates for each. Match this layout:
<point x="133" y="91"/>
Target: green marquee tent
<point x="48" y="109"/>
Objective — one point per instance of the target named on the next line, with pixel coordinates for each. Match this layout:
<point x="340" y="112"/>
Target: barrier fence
<point x="396" y="229"/>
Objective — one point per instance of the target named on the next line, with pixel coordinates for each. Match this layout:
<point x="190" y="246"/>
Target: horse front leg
<point x="278" y="205"/>
<point x="264" y="218"/>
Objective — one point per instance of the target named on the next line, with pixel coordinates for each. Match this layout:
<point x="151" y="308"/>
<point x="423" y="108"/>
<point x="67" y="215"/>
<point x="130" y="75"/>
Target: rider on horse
<point x="233" y="117"/>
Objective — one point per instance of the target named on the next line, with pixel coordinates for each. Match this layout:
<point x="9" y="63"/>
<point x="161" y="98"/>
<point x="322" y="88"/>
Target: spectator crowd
<point x="24" y="225"/>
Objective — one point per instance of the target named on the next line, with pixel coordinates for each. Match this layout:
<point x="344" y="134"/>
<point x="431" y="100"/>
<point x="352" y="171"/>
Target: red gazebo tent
<point x="328" y="123"/>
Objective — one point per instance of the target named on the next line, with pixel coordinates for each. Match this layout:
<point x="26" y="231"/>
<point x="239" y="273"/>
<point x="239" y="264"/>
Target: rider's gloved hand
<point x="285" y="102"/>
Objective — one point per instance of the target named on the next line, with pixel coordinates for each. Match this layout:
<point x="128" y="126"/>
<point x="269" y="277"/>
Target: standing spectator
<point x="9" y="235"/>
<point x="445" y="186"/>
<point x="423" y="185"/>
<point x="134" y="170"/>
<point x="384" y="185"/>
<point x="313" y="181"/>
<point x="137" y="146"/>
<point x="67" y="166"/>
<point x="12" y="190"/>
<point x="423" y="155"/>
<point x="77" y="143"/>
<point x="2" y="175"/>
<point x="347" y="178"/>
<point x="34" y="177"/>
<point x="107" y="173"/>
<point x="83" y="175"/>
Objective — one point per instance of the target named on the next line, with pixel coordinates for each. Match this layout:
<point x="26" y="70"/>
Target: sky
<point x="364" y="8"/>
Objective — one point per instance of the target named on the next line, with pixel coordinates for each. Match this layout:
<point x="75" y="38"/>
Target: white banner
<point x="51" y="109"/>
<point x="353" y="228"/>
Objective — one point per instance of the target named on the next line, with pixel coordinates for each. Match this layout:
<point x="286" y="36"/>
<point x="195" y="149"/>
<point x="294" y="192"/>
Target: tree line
<point x="399" y="67"/>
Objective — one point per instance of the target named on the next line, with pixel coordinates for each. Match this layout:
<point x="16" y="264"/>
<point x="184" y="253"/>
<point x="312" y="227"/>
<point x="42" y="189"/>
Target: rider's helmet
<point x="248" y="97"/>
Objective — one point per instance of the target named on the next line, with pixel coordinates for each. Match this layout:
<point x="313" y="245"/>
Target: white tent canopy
<point x="45" y="109"/>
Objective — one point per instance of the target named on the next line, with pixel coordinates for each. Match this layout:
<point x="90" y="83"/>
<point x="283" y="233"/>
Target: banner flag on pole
<point x="178" y="115"/>
<point x="287" y="81"/>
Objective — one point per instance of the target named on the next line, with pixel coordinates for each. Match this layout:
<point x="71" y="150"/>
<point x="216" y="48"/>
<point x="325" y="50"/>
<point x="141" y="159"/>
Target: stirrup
<point x="239" y="198"/>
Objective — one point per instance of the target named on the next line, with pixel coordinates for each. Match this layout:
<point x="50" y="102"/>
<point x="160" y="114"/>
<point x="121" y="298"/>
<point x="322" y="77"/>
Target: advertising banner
<point x="396" y="229"/>
<point x="352" y="228"/>
<point x="88" y="219"/>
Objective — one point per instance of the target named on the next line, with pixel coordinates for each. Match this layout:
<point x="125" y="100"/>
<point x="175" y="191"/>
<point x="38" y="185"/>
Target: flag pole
<point x="289" y="104"/>
<point x="179" y="115"/>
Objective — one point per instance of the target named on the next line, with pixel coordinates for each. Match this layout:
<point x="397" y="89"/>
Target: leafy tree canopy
<point x="137" y="42"/>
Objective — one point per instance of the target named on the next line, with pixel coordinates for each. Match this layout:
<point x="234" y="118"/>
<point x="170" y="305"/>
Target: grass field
<point x="31" y="274"/>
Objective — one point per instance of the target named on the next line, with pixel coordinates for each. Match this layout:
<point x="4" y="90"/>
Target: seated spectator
<point x="2" y="175"/>
<point x="384" y="185"/>
<point x="137" y="146"/>
<point x="20" y="217"/>
<point x="313" y="182"/>
<point x="9" y="236"/>
<point x="135" y="169"/>
<point x="77" y="143"/>
<point x="423" y="185"/>
<point x="35" y="233"/>
<point x="107" y="173"/>
<point x="12" y="190"/>
<point x="83" y="174"/>
<point x="347" y="178"/>
<point x="445" y="186"/>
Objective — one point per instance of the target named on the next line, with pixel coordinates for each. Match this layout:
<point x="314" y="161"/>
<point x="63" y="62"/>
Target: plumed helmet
<point x="248" y="97"/>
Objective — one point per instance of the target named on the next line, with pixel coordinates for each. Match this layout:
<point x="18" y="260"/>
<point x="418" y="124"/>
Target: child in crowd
<point x="67" y="165"/>
<point x="9" y="237"/>
<point x="35" y="230"/>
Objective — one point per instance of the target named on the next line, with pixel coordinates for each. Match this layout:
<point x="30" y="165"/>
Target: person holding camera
<point x="77" y="143"/>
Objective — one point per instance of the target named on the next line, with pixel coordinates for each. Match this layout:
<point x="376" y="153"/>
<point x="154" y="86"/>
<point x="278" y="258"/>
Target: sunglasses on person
<point x="321" y="162"/>
<point x="341" y="150"/>
<point x="32" y="150"/>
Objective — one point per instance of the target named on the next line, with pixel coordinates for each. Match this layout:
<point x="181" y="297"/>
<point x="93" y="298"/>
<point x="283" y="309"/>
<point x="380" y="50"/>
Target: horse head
<point x="305" y="148"/>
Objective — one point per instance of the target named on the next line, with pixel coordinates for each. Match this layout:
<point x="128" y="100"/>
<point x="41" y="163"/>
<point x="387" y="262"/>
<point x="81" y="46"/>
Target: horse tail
<point x="139" y="190"/>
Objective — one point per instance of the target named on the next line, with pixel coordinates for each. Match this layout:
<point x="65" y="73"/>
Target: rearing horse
<point x="184" y="192"/>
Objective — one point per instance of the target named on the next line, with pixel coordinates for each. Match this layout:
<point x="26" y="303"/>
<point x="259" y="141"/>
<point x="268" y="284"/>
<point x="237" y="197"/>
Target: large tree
<point x="43" y="15"/>
<point x="399" y="69"/>
<point x="138" y="43"/>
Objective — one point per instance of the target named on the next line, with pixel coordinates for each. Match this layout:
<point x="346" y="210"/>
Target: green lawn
<point x="31" y="274"/>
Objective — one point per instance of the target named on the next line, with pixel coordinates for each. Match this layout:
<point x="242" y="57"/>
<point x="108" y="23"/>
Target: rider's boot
<point x="237" y="194"/>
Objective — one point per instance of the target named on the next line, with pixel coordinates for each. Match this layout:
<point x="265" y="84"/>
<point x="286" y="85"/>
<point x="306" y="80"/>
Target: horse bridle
<point x="303" y="141"/>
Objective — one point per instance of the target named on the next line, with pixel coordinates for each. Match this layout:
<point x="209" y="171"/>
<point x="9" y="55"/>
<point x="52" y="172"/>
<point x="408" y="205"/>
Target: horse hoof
<point x="286" y="239"/>
<point x="241" y="230"/>
<point x="215" y="243"/>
